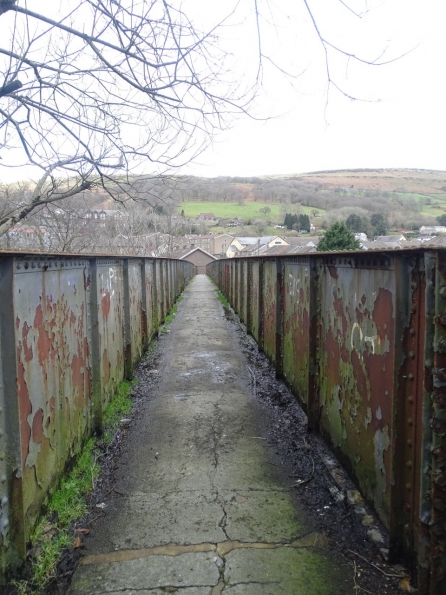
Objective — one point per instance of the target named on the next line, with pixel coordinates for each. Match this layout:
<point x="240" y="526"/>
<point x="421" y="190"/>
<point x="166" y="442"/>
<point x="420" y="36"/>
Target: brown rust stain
<point x="27" y="350"/>
<point x="25" y="409"/>
<point x="105" y="305"/>
<point x="45" y="341"/>
<point x="37" y="426"/>
<point x="106" y="367"/>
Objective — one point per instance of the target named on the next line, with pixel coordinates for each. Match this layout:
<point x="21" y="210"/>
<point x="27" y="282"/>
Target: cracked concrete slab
<point x="200" y="505"/>
<point x="286" y="571"/>
<point x="189" y="570"/>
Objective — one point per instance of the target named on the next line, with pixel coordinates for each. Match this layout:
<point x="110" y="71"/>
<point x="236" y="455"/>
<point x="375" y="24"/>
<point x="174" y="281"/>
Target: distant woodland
<point x="369" y="201"/>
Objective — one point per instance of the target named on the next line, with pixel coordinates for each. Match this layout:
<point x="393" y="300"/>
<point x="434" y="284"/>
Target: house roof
<point x="188" y="252"/>
<point x="302" y="240"/>
<point x="397" y="238"/>
<point x="247" y="241"/>
<point x="287" y="250"/>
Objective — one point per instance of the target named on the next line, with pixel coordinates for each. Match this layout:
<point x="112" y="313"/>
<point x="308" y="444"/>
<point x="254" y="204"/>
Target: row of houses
<point x="197" y="253"/>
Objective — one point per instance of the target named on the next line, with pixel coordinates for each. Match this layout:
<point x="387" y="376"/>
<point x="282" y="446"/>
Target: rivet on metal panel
<point x="414" y="285"/>
<point x="407" y="506"/>
<point x="441" y="372"/>
<point x="406" y="527"/>
<point x="409" y="464"/>
<point x="413" y="308"/>
<point x="410" y="421"/>
<point x="412" y="331"/>
<point x="411" y="354"/>
<point x="19" y="266"/>
<point x="409" y="442"/>
<point x="410" y="398"/>
<point x="410" y="377"/>
<point x="439" y="453"/>
<point x="442" y="292"/>
<point x="408" y="486"/>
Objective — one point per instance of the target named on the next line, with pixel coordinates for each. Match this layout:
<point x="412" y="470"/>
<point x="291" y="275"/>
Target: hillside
<point x="406" y="198"/>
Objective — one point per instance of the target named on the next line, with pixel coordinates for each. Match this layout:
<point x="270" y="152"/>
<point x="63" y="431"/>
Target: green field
<point x="230" y="209"/>
<point x="248" y="210"/>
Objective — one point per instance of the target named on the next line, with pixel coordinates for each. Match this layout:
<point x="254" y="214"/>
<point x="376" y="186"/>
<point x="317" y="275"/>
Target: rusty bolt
<point x="410" y="399"/>
<point x="441" y="374"/>
<point x="439" y="427"/>
<point x="407" y="506"/>
<point x="413" y="308"/>
<point x="412" y="331"/>
<point x="411" y="354"/>
<point x="410" y="376"/>
<point x="408" y="486"/>
<point x="414" y="285"/>
<point x="410" y="421"/>
<point x="439" y="452"/>
<point x="439" y="478"/>
<point x="409" y="464"/>
<point x="409" y="442"/>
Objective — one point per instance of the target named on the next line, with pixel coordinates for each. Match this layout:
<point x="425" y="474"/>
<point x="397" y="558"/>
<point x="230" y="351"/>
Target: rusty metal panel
<point x="149" y="302"/>
<point x="165" y="286"/>
<point x="244" y="291"/>
<point x="159" y="292"/>
<point x="136" y="335"/>
<point x="254" y="302"/>
<point x="356" y="368"/>
<point x="437" y="422"/>
<point x="53" y="371"/>
<point x="111" y="325"/>
<point x="296" y="326"/>
<point x="12" y="536"/>
<point x="269" y="308"/>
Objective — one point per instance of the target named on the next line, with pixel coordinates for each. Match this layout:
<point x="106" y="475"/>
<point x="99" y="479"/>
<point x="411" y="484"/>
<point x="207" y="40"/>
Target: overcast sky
<point x="401" y="123"/>
<point x="398" y="116"/>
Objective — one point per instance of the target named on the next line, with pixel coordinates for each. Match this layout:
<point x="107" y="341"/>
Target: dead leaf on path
<point x="406" y="586"/>
<point x="77" y="542"/>
<point x="83" y="531"/>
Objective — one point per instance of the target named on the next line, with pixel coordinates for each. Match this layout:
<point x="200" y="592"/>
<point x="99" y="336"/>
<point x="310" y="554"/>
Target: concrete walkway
<point x="198" y="508"/>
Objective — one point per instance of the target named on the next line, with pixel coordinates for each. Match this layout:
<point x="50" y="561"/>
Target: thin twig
<point x="375" y="566"/>
<point x="302" y="482"/>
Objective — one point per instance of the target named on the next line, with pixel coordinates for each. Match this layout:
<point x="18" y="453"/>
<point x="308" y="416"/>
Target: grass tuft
<point x="221" y="298"/>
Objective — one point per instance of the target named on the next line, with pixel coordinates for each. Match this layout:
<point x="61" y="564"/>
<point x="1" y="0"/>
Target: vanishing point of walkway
<point x="198" y="508"/>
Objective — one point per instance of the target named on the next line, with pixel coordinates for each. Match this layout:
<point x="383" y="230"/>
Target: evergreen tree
<point x="304" y="223"/>
<point x="338" y="237"/>
<point x="379" y="224"/>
